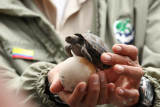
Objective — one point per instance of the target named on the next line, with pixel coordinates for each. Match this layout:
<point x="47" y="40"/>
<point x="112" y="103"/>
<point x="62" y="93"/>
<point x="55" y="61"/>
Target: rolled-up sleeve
<point x="33" y="81"/>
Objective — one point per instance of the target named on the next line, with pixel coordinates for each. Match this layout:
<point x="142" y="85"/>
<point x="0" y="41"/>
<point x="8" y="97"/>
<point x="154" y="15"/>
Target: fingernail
<point x="121" y="92"/>
<point x="118" y="48"/>
<point x="107" y="58"/>
<point x="102" y="77"/>
<point x="96" y="80"/>
<point x="112" y="89"/>
<point x="120" y="68"/>
<point x="82" y="88"/>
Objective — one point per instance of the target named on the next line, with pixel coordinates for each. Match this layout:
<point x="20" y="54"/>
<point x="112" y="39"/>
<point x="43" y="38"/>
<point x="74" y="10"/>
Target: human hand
<point x="83" y="95"/>
<point x="124" y="76"/>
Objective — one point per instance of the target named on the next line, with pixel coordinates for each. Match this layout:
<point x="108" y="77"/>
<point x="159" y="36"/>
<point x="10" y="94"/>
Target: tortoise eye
<point x="68" y="38"/>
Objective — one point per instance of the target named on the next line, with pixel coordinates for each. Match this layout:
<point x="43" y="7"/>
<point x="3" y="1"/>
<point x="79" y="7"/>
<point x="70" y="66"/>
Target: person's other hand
<point x="83" y="95"/>
<point x="124" y="76"/>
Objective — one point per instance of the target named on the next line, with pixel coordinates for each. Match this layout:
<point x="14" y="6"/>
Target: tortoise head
<point x="73" y="39"/>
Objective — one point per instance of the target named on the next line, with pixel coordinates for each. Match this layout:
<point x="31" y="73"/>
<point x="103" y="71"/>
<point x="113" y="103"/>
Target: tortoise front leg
<point x="85" y="53"/>
<point x="68" y="49"/>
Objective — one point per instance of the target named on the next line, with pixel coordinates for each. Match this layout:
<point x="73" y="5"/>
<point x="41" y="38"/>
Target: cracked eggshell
<point x="74" y="70"/>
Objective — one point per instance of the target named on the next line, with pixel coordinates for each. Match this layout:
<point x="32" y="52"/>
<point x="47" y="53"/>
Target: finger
<point x="130" y="96"/>
<point x="103" y="88"/>
<point x="93" y="91"/>
<point x="56" y="86"/>
<point x="111" y="88"/>
<point x="127" y="93"/>
<point x="77" y="96"/>
<point x="126" y="50"/>
<point x="129" y="71"/>
<point x="112" y="59"/>
<point x="54" y="81"/>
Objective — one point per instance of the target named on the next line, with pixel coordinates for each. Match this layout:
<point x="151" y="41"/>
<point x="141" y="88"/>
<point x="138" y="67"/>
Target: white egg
<point x="74" y="70"/>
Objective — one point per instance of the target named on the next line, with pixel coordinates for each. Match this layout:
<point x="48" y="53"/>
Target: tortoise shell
<point x="94" y="43"/>
<point x="89" y="46"/>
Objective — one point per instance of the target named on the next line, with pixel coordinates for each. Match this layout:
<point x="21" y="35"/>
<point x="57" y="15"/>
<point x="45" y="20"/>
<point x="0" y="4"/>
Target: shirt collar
<point x="72" y="7"/>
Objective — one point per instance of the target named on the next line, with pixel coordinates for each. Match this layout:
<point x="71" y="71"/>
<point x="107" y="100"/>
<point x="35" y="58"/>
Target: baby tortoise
<point x="89" y="46"/>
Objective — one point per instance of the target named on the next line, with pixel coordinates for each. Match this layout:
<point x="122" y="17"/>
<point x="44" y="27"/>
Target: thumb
<point x="56" y="86"/>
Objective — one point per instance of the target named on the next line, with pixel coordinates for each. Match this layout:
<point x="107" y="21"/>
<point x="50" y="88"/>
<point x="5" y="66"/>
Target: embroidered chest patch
<point x="22" y="53"/>
<point x="124" y="31"/>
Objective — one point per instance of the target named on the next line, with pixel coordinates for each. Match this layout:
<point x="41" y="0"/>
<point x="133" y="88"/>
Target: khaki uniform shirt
<point x="23" y="27"/>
